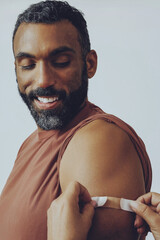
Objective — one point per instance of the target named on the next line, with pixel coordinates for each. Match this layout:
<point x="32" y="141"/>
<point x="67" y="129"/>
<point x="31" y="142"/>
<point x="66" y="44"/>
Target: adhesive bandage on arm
<point x="113" y="202"/>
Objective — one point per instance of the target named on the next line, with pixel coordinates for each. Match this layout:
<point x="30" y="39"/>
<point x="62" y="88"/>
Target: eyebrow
<point x="51" y="54"/>
<point x="24" y="55"/>
<point x="61" y="50"/>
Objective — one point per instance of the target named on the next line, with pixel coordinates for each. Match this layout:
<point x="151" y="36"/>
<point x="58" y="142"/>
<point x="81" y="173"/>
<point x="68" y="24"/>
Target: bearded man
<point x="75" y="140"/>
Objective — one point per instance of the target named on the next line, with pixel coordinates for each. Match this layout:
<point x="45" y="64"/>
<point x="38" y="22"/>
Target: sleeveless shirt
<point x="34" y="181"/>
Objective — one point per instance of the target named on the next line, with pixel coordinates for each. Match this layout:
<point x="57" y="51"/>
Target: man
<point x="75" y="140"/>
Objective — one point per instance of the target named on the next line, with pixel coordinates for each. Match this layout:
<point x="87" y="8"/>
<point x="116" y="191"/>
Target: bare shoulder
<point x="100" y="152"/>
<point x="102" y="157"/>
<point x="104" y="134"/>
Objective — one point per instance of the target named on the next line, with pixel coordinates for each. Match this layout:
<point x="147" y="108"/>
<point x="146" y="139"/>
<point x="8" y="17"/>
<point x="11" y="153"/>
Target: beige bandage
<point x="113" y="202"/>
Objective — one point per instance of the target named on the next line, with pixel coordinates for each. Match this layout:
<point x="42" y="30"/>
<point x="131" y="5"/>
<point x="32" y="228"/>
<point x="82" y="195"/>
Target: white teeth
<point x="47" y="100"/>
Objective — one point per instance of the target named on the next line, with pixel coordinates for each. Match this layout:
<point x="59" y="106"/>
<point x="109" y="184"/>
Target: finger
<point x="84" y="194"/>
<point x="158" y="208"/>
<point x="142" y="230"/>
<point x="150" y="198"/>
<point x="77" y="191"/>
<point x="145" y="212"/>
<point x="146" y="198"/>
<point x="88" y="213"/>
<point x="76" y="195"/>
<point x="138" y="221"/>
<point x="141" y="226"/>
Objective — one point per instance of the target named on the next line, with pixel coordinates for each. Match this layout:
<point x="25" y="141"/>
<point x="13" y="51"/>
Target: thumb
<point x="88" y="213"/>
<point x="145" y="212"/>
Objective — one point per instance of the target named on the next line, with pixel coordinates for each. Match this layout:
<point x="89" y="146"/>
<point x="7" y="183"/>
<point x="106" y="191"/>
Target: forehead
<point x="39" y="37"/>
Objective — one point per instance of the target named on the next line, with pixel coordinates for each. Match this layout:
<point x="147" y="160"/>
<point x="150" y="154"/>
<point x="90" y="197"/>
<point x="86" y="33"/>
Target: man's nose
<point x="45" y="75"/>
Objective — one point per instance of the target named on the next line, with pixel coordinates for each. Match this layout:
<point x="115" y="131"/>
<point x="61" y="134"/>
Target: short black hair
<point x="49" y="12"/>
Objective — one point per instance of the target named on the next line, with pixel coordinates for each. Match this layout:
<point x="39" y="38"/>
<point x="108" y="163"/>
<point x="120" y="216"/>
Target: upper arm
<point x="102" y="158"/>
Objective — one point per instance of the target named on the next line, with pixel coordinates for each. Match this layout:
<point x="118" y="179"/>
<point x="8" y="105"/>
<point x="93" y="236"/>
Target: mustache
<point x="47" y="92"/>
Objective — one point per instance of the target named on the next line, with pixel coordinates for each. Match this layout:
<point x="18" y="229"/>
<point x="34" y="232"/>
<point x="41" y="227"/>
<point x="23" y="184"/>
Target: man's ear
<point x="91" y="61"/>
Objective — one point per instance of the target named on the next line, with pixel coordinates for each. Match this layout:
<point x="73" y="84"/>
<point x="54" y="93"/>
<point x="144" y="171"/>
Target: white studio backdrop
<point x="126" y="36"/>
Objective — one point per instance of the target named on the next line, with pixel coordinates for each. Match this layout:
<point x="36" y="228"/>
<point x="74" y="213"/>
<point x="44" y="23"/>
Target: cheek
<point x="71" y="81"/>
<point x="24" y="82"/>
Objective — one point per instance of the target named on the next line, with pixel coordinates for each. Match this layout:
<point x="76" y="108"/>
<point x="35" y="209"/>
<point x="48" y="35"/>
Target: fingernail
<point x="94" y="203"/>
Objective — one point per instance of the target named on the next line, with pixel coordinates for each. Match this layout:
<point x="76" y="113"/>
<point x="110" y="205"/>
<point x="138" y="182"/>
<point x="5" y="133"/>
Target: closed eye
<point x="60" y="64"/>
<point x="28" y="67"/>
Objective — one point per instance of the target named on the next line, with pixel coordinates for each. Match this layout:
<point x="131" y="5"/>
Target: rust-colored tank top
<point x="34" y="180"/>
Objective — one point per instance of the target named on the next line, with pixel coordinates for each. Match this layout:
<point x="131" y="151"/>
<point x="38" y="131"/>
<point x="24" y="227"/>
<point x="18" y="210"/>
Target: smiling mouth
<point x="46" y="103"/>
<point x="47" y="99"/>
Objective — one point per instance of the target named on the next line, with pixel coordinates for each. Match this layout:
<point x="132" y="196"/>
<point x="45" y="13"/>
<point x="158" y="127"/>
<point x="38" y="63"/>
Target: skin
<point x="65" y="220"/>
<point x="148" y="207"/>
<point x="99" y="146"/>
<point x="103" y="159"/>
<point x="50" y="55"/>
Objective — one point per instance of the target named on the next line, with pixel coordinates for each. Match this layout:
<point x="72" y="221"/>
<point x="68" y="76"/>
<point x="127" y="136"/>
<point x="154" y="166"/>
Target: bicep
<point x="106" y="163"/>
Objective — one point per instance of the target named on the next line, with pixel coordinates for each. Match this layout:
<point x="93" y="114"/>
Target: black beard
<point x="58" y="118"/>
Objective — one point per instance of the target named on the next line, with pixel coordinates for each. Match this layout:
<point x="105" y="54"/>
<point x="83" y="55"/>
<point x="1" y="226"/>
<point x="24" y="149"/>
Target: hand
<point x="148" y="207"/>
<point x="70" y="215"/>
